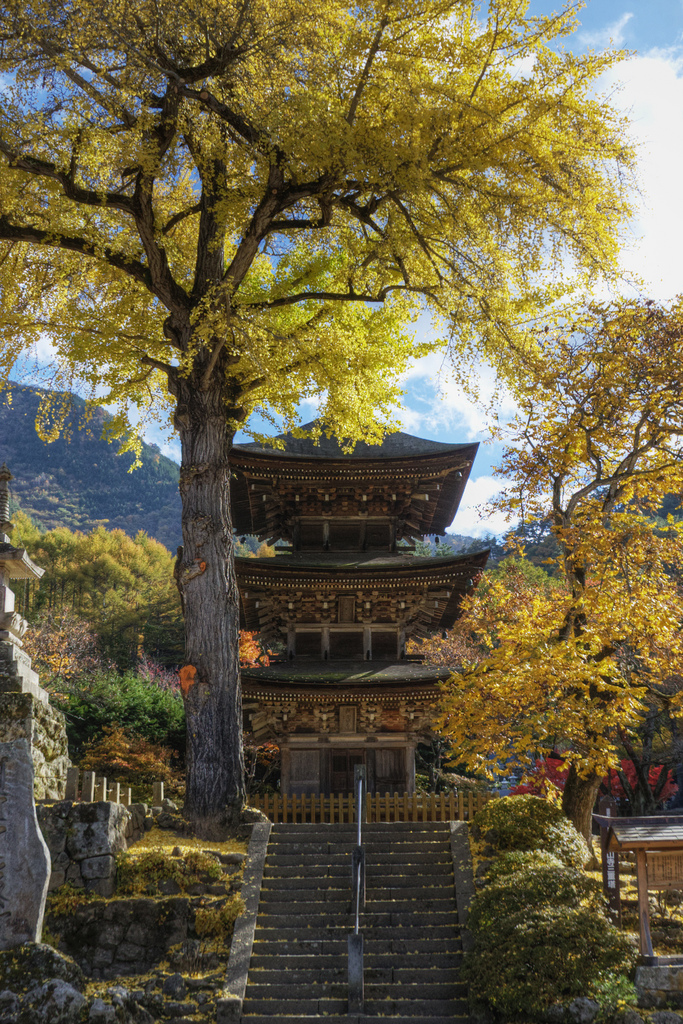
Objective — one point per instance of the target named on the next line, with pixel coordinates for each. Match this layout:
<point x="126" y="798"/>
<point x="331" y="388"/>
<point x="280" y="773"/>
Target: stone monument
<point x="25" y="712"/>
<point x="24" y="856"/>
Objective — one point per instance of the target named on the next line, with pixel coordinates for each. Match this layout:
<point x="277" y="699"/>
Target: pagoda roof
<point x="440" y="583"/>
<point x="299" y="679"/>
<point x="337" y="565"/>
<point x="397" y="445"/>
<point x="428" y="477"/>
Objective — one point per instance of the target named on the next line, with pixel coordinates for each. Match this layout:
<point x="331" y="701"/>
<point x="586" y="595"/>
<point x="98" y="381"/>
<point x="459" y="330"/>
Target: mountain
<point x="79" y="480"/>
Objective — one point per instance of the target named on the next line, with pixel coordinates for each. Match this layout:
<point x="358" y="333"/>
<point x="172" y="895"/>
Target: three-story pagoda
<point x="342" y="598"/>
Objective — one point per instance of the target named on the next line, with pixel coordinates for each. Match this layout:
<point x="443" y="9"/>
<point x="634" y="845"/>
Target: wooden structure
<point x="658" y="845"/>
<point x="342" y="598"/>
<point x="388" y="807"/>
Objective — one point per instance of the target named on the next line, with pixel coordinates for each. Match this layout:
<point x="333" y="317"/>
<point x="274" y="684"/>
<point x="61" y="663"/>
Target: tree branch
<point x="37" y="236"/>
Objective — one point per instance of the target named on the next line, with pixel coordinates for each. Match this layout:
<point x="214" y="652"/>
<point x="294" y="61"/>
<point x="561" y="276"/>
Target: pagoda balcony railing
<point x="341" y="807"/>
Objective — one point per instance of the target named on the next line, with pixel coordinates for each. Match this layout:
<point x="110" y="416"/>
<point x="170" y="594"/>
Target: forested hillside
<point x="79" y="480"/>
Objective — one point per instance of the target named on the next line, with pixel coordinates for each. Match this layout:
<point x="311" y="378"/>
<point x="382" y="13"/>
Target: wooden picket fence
<point x="86" y="787"/>
<point x="341" y="807"/>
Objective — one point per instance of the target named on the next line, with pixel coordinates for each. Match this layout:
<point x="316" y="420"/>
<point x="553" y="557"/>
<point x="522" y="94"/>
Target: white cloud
<point x="611" y="35"/>
<point x="474" y="518"/>
<point x="448" y="408"/>
<point x="651" y="94"/>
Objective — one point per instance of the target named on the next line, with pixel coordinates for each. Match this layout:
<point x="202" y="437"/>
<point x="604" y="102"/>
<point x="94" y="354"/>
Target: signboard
<point x="665" y="870"/>
<point x="610" y="862"/>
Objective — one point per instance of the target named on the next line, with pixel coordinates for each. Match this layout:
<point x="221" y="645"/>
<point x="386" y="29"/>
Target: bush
<point x="131" y="760"/>
<point x="534" y="885"/>
<point x="531" y="823"/>
<point x="136" y="704"/>
<point x="524" y="962"/>
<point x="141" y="874"/>
<point x="539" y="926"/>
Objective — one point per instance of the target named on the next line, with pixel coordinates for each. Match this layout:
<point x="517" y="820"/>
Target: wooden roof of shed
<point x="648" y="833"/>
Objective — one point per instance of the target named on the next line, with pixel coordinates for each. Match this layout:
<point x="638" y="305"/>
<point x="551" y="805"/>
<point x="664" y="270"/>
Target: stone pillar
<point x="24" y="856"/>
<point x="25" y="712"/>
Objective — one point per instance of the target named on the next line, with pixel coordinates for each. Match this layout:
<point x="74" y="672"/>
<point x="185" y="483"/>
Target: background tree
<point x="221" y="206"/>
<point x="597" y="444"/>
<point x="122" y="587"/>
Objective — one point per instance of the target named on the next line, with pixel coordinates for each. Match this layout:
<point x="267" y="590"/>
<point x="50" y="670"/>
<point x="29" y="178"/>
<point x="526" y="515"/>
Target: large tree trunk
<point x="578" y="801"/>
<point x="205" y="575"/>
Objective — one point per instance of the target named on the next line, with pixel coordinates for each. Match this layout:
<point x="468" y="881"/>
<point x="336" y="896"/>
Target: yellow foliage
<point x="596" y="447"/>
<point x="271" y="191"/>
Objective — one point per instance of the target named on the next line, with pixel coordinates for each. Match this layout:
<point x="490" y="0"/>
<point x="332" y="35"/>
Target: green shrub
<point x="517" y="860"/>
<point x="137" y="705"/>
<point x="531" y="887"/>
<point x="139" y="874"/>
<point x="531" y="823"/>
<point x="539" y="926"/>
<point x="524" y="962"/>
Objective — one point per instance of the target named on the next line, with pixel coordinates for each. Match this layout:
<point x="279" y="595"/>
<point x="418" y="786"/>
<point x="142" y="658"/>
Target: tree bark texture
<point x="205" y="575"/>
<point x="578" y="801"/>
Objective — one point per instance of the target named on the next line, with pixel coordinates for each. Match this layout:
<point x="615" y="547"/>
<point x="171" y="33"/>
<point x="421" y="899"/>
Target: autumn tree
<point x="121" y="586"/>
<point x="224" y="206"/>
<point x="596" y="445"/>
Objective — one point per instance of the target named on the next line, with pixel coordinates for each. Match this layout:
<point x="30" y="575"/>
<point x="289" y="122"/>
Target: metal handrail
<point x="355" y="940"/>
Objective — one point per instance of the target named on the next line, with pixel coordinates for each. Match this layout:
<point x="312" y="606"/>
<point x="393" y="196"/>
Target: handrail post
<point x="355" y="940"/>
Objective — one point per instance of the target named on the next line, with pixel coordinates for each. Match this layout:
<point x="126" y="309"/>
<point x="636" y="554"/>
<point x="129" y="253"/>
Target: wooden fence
<point x="87" y="787"/>
<point x="340" y="807"/>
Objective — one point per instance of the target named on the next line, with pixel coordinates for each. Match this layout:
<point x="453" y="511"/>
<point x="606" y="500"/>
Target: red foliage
<point x="613" y="784"/>
<point x="547" y="773"/>
<point x="252" y="653"/>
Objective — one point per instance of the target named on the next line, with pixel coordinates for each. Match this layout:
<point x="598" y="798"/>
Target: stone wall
<point x="83" y="840"/>
<point x="125" y="937"/>
<point x="23" y="716"/>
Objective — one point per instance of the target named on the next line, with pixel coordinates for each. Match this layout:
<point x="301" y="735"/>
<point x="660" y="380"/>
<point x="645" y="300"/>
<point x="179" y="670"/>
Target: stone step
<point x="353" y="1019"/>
<point x="275" y="904"/>
<point x="414" y="883"/>
<point x="378" y="961"/>
<point x="368" y="828"/>
<point x="306" y="859"/>
<point x="379" y="1007"/>
<point x="304" y="940"/>
<point x="385" y="975"/>
<point x="292" y="991"/>
<point x="373" y="894"/>
<point x="412" y="926"/>
<point x="378" y="846"/>
<point x="441" y="870"/>
<point x="334" y="919"/>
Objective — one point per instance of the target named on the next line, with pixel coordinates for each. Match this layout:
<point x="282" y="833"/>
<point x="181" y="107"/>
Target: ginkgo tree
<point x="596" y="446"/>
<point x="217" y="207"/>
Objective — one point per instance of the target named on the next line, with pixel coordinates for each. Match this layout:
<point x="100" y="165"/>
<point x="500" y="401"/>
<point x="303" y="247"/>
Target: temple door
<point x="343" y="763"/>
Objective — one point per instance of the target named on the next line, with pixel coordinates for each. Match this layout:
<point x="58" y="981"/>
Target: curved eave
<point x="393" y="571"/>
<point x="17" y="564"/>
<point x="436" y="516"/>
<point x="459" y="574"/>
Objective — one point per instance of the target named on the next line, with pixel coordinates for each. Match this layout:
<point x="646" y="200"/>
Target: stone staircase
<point x="298" y="968"/>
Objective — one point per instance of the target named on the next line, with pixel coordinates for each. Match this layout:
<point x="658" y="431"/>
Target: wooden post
<point x="643" y="905"/>
<point x="127" y="796"/>
<point x="115" y="792"/>
<point x="157" y="794"/>
<point x="461" y="805"/>
<point x="610" y="862"/>
<point x="101" y="789"/>
<point x="88" y="790"/>
<point x="443" y="806"/>
<point x="71" y="792"/>
<point x="451" y="806"/>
